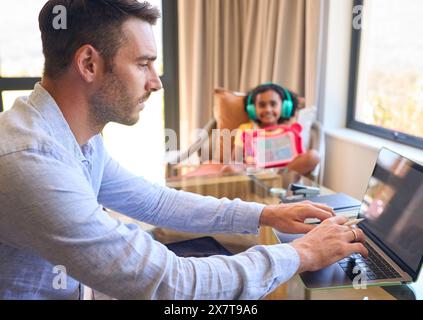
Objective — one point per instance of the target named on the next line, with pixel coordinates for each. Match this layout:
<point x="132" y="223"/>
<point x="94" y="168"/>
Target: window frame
<point x="354" y="124"/>
<point x="15" y="84"/>
<point x="170" y="78"/>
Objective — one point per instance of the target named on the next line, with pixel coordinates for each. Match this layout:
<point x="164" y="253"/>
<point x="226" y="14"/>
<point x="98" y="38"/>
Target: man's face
<point x="124" y="89"/>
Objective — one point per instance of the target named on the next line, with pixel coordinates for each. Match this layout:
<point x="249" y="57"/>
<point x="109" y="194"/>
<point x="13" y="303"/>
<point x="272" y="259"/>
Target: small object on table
<point x="280" y="192"/>
<point x="300" y="192"/>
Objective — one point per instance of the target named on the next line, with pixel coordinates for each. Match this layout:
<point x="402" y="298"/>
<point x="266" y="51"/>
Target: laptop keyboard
<point x="374" y="266"/>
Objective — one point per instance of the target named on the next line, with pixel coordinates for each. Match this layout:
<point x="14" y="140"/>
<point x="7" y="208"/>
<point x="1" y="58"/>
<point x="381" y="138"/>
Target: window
<point x="386" y="84"/>
<point x="21" y="58"/>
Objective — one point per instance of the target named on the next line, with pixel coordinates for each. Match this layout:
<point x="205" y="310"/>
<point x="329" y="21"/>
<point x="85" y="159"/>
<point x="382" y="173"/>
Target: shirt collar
<point x="41" y="100"/>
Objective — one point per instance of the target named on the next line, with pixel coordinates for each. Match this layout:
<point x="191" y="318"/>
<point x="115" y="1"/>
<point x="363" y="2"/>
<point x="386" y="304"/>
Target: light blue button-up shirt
<point x="52" y="194"/>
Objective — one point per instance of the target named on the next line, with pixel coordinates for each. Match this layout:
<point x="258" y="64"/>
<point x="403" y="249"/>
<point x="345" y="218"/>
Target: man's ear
<point x="88" y="62"/>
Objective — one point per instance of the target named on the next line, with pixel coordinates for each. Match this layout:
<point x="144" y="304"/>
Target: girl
<point x="268" y="105"/>
<point x="274" y="108"/>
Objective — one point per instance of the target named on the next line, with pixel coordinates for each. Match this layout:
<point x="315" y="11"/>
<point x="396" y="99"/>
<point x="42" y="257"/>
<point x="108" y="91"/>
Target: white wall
<point x="350" y="158"/>
<point x="335" y="67"/>
<point x="343" y="171"/>
<point x="348" y="166"/>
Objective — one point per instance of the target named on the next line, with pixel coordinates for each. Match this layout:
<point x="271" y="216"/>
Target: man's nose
<point x="154" y="83"/>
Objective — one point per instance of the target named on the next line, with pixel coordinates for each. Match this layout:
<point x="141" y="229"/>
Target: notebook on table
<point x="198" y="247"/>
<point x="341" y="203"/>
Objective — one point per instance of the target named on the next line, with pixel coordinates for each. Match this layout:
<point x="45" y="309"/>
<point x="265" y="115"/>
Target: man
<point x="56" y="177"/>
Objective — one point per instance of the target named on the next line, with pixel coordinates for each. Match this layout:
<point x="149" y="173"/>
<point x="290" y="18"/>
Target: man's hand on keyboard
<point x="327" y="243"/>
<point x="290" y="218"/>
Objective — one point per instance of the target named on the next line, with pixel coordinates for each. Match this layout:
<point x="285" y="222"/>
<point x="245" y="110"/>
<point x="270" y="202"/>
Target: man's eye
<point x="143" y="66"/>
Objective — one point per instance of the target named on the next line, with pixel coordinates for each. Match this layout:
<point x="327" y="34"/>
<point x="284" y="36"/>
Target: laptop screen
<point x="393" y="207"/>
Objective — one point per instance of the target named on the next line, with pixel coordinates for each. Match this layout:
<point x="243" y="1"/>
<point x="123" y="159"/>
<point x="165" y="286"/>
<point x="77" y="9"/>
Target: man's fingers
<point x="323" y="207"/>
<point x="314" y="212"/>
<point x="304" y="227"/>
<point x="337" y="220"/>
<point x="357" y="247"/>
<point x="360" y="235"/>
<point x="354" y="235"/>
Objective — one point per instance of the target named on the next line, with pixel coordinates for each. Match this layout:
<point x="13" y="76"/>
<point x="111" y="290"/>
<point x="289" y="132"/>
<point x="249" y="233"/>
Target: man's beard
<point x="112" y="103"/>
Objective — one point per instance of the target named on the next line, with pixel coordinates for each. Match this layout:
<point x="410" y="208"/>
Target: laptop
<point x="392" y="209"/>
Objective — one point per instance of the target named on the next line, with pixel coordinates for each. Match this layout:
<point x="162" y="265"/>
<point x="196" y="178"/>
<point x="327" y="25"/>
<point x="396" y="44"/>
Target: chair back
<point x="229" y="112"/>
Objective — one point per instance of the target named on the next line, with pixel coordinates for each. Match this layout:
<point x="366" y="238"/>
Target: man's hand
<point x="289" y="218"/>
<point x="327" y="243"/>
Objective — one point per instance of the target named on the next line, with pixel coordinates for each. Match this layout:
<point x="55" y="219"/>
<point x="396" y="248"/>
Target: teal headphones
<point x="286" y="108"/>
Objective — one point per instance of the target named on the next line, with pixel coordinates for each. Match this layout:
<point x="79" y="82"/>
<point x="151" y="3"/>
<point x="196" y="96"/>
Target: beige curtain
<point x="238" y="44"/>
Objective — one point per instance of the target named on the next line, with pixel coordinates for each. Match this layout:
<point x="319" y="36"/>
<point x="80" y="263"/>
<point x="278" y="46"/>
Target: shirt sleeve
<point x="134" y="196"/>
<point x="55" y="214"/>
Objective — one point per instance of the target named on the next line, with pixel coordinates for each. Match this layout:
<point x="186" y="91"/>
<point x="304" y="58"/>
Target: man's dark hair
<point x="94" y="22"/>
